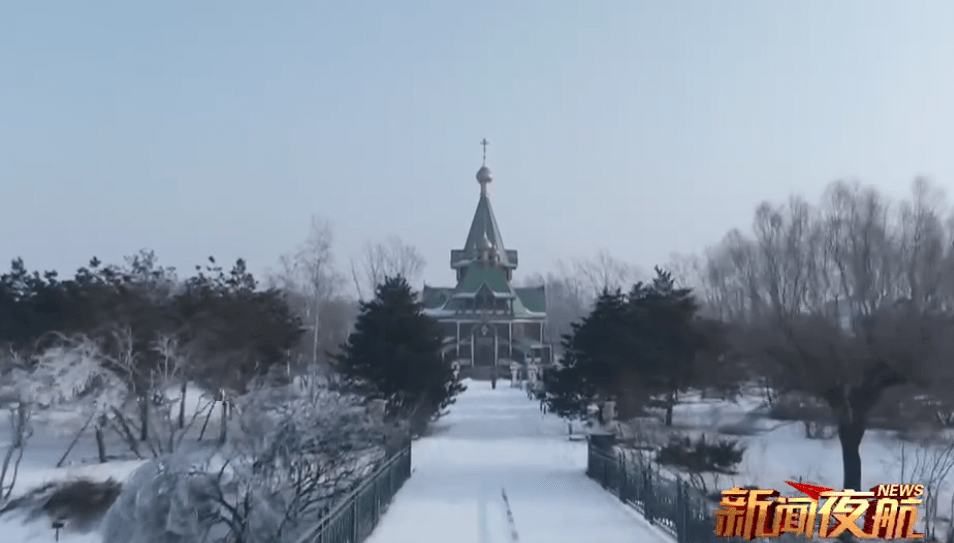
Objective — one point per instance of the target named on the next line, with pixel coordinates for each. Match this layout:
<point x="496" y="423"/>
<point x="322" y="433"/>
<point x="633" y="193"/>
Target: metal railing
<point x="353" y="520"/>
<point x="665" y="500"/>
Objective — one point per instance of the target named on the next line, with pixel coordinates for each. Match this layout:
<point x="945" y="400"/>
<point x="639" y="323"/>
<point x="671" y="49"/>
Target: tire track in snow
<point x="514" y="538"/>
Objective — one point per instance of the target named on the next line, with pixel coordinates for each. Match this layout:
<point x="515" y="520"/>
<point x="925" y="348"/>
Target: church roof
<point x="534" y="298"/>
<point x="483" y="226"/>
<point x="476" y="276"/>
<point x="484" y="264"/>
<point x="528" y="302"/>
<point x="484" y="233"/>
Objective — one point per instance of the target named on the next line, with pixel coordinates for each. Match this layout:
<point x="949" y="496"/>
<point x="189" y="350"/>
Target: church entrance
<point x="485" y="345"/>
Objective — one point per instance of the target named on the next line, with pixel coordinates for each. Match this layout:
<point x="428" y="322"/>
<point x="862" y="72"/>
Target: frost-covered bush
<point x="172" y="500"/>
<point x="294" y="455"/>
<point x="69" y="371"/>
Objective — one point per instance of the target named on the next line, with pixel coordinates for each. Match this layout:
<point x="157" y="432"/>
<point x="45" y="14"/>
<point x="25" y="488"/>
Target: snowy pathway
<point x="496" y="441"/>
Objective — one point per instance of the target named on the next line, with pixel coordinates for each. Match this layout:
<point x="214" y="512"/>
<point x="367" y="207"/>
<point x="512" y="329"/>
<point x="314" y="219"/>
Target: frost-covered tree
<point x="69" y="371"/>
<point x="149" y="331"/>
<point x="297" y="454"/>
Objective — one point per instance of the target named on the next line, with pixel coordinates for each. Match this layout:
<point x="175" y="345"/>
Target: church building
<point x="486" y="321"/>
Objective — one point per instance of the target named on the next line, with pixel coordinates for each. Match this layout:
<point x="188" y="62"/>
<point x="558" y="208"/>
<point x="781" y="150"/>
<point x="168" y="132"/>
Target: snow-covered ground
<point x="38" y="468"/>
<point x="54" y="429"/>
<point x="778" y="451"/>
<point x="496" y="441"/>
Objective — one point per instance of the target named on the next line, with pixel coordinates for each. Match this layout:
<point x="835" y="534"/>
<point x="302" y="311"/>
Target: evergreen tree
<point x="239" y="332"/>
<point x="631" y="348"/>
<point x="395" y="353"/>
<point x="594" y="358"/>
<point x="664" y="318"/>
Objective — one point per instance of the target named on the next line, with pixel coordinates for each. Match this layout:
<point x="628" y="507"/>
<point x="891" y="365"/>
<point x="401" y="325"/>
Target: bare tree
<point x="922" y="245"/>
<point x="173" y="370"/>
<point x="573" y="286"/>
<point x="862" y="250"/>
<point x="604" y="272"/>
<point x="388" y="258"/>
<point x="320" y="280"/>
<point x="820" y="289"/>
<point x="783" y="238"/>
<point x="688" y="271"/>
<point x="568" y="299"/>
<point x="732" y="281"/>
<point x="285" y="277"/>
<point x="928" y="462"/>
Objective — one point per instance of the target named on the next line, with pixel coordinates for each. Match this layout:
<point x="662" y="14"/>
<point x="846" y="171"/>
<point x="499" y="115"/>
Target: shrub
<point x="79" y="503"/>
<point x="720" y="456"/>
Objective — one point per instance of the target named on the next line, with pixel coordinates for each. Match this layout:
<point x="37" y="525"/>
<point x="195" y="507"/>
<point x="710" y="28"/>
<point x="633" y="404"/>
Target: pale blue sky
<point x="214" y="127"/>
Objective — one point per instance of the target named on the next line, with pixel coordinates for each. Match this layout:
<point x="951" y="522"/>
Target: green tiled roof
<point x="527" y="302"/>
<point x="533" y="298"/>
<point x="435" y="298"/>
<point x="520" y="310"/>
<point x="477" y="275"/>
<point x="479" y="270"/>
<point x="484" y="224"/>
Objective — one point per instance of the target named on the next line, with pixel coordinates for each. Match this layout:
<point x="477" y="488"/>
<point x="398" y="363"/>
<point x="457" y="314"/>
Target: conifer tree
<point x="593" y="354"/>
<point x="395" y="354"/>
<point x="631" y="348"/>
<point x="664" y="318"/>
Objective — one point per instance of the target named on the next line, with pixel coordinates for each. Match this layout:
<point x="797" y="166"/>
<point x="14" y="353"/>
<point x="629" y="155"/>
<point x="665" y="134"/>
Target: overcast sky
<point x="646" y="128"/>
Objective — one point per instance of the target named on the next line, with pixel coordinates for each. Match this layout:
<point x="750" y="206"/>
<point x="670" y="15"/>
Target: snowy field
<point x="779" y="450"/>
<point x="494" y="441"/>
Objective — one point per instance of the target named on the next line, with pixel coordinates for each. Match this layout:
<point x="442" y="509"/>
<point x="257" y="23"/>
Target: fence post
<point x="687" y="514"/>
<point x="589" y="458"/>
<point x="623" y="476"/>
<point x="407" y="463"/>
<point x="377" y="502"/>
<point x="681" y="535"/>
<point x="648" y="493"/>
<point x="354" y="518"/>
<point x="391" y="479"/>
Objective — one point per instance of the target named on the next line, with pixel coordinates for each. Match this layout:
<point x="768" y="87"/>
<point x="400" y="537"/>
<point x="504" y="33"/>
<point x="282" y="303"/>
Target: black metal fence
<point x="665" y="500"/>
<point x="357" y="515"/>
